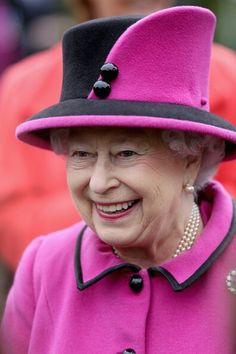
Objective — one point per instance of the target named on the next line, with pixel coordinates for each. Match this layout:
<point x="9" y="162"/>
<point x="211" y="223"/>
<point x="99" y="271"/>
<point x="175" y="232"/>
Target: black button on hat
<point x="129" y="351"/>
<point x="109" y="72"/>
<point x="101" y="88"/>
<point x="136" y="283"/>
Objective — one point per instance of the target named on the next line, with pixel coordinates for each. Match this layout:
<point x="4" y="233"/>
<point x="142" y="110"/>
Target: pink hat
<point x="137" y="72"/>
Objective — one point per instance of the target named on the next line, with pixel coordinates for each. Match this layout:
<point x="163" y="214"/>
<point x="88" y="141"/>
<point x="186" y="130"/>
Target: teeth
<point x="115" y="207"/>
<point x="112" y="208"/>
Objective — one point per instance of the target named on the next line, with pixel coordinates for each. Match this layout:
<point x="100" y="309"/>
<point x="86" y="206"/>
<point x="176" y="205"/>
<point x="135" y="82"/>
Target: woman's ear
<point x="192" y="167"/>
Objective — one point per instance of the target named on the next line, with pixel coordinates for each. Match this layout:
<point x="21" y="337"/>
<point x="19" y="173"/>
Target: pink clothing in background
<point x="33" y="193"/>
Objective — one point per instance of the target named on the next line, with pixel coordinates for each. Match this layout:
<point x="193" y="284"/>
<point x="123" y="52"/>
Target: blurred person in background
<point x="36" y="202"/>
<point x="43" y="22"/>
<point x="10" y="29"/>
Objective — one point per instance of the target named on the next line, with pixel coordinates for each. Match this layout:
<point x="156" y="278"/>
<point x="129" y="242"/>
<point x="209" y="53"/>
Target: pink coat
<point x="182" y="306"/>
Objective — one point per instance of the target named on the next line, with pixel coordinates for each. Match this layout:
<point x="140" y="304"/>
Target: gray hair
<point x="210" y="148"/>
<point x="59" y="140"/>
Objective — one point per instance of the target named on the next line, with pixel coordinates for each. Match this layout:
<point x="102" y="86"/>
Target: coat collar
<point x="94" y="259"/>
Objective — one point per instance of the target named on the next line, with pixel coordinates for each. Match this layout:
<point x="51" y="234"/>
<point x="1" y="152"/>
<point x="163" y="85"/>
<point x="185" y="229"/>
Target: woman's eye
<point x="81" y="154"/>
<point x="127" y="153"/>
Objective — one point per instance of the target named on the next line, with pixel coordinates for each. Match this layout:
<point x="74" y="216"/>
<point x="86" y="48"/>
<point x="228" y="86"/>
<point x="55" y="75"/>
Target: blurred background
<point x="29" y="26"/>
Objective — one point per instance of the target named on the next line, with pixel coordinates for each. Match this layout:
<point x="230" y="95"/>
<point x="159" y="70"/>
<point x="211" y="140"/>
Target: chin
<point x="117" y="239"/>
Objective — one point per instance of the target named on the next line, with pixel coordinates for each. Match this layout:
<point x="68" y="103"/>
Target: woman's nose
<point x="103" y="177"/>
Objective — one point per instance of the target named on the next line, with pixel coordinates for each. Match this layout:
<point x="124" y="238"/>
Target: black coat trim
<point x="81" y="285"/>
<point x="205" y="266"/>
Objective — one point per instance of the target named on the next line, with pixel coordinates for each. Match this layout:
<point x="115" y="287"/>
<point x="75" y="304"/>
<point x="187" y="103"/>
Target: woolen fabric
<point x="163" y="64"/>
<point x="184" y="306"/>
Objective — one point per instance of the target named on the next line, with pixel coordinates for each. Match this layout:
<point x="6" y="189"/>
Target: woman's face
<point x="103" y="8"/>
<point x="126" y="183"/>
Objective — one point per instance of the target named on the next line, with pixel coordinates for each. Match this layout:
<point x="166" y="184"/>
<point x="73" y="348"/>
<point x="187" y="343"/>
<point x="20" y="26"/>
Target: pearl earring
<point x="189" y="188"/>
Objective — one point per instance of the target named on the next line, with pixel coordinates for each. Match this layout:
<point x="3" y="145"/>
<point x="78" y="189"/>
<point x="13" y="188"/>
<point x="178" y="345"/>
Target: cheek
<point x="76" y="181"/>
<point x="161" y="180"/>
<point x="77" y="186"/>
<point x="151" y="174"/>
<point x="169" y="171"/>
<point x="71" y="181"/>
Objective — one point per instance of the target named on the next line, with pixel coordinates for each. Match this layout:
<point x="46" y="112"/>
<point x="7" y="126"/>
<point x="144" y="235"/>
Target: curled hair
<point x="59" y="140"/>
<point x="210" y="148"/>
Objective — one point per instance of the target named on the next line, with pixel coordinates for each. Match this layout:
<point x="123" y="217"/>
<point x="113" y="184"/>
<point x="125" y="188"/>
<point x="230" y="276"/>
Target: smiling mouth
<point x="116" y="208"/>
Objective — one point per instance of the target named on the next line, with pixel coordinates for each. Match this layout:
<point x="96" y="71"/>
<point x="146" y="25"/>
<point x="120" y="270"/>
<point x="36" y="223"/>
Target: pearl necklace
<point x="231" y="281"/>
<point x="190" y="232"/>
<point x="189" y="235"/>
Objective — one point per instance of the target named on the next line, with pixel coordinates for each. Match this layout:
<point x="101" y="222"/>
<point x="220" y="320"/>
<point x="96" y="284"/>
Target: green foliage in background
<point x="225" y="11"/>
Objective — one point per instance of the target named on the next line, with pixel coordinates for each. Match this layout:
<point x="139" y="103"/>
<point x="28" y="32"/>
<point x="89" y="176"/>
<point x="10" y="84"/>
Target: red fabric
<point x="223" y="103"/>
<point x="33" y="194"/>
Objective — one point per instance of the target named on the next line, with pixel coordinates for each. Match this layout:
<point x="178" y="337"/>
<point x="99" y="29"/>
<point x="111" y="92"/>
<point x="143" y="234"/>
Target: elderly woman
<point x="151" y="267"/>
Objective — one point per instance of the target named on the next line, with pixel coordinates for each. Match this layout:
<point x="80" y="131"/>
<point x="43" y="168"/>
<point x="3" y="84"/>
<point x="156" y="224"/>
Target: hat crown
<point x="154" y="71"/>
<point x="85" y="48"/>
<point x="165" y="58"/>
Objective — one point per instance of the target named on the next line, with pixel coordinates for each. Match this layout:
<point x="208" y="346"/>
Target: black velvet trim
<point x="85" y="48"/>
<point x="78" y="270"/>
<point x="205" y="266"/>
<point x="81" y="285"/>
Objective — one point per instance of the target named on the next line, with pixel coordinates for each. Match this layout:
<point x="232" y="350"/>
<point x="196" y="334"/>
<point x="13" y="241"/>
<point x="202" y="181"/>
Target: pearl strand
<point x="231" y="281"/>
<point x="190" y="232"/>
<point x="189" y="235"/>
